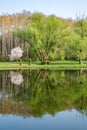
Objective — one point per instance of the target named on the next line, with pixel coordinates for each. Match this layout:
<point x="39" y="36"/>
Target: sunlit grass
<point x="38" y="65"/>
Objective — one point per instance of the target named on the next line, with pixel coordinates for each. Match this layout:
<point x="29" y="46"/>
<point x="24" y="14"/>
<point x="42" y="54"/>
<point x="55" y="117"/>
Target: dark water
<point x="43" y="100"/>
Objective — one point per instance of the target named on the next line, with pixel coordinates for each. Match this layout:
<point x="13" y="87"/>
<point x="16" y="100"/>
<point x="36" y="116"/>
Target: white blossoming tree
<point x="16" y="54"/>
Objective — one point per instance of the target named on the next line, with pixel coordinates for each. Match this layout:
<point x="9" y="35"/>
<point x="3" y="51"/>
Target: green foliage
<point x="45" y="35"/>
<point x="78" y="41"/>
<point x="52" y="38"/>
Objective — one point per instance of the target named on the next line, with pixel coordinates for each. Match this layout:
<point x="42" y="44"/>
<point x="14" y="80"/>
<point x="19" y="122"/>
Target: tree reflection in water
<point x="16" y="77"/>
<point x="43" y="91"/>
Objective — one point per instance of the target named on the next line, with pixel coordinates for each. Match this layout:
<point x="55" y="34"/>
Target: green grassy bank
<point x="38" y="65"/>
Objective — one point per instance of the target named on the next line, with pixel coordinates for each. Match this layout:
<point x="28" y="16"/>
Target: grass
<point x="37" y="65"/>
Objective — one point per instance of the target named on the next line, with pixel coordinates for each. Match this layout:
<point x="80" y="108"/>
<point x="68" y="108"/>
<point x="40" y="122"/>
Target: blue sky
<point x="61" y="8"/>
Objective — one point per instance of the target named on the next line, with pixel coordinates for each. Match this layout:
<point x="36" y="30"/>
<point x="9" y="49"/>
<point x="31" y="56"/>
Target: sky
<point x="61" y="8"/>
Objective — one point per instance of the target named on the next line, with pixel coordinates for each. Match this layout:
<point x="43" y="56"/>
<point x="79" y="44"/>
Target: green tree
<point x="80" y="31"/>
<point x="45" y="35"/>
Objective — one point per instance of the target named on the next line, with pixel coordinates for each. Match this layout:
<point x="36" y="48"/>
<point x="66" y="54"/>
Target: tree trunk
<point x="80" y="61"/>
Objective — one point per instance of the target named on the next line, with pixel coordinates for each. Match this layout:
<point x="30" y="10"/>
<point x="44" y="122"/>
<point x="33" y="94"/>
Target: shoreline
<point x="35" y="66"/>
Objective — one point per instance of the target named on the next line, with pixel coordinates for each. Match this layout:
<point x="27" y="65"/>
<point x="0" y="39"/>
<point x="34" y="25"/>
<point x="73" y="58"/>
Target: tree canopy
<point x="43" y="37"/>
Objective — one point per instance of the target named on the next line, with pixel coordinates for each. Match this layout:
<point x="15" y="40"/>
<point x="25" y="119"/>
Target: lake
<point x="43" y="100"/>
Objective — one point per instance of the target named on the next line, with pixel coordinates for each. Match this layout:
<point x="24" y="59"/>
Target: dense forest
<point x="42" y="37"/>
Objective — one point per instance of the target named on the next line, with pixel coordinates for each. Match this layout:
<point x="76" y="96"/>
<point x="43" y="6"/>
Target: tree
<point x="44" y="35"/>
<point x="16" y="53"/>
<point x="81" y="38"/>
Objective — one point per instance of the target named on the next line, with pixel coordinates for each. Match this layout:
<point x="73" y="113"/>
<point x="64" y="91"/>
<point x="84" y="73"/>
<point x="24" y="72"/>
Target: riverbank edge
<point x="34" y="66"/>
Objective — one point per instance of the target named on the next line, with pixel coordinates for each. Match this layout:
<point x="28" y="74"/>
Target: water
<point x="43" y="100"/>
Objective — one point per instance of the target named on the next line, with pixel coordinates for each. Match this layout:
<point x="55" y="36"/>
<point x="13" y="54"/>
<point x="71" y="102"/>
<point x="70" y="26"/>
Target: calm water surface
<point x="43" y="100"/>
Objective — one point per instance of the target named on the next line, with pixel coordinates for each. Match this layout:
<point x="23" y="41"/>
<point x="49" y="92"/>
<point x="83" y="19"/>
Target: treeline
<point x="43" y="38"/>
<point x="8" y="23"/>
